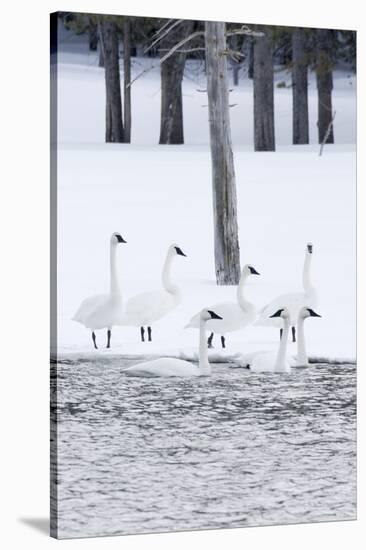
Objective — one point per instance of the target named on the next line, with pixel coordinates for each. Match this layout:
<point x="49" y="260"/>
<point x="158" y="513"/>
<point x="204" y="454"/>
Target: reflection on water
<point x="235" y="449"/>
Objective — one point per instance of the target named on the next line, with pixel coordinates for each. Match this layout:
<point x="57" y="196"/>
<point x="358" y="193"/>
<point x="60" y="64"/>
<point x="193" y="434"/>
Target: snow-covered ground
<point x="155" y="195"/>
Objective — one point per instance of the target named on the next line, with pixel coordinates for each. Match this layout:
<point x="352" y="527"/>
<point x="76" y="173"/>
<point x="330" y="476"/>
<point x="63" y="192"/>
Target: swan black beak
<point x="313" y="313"/>
<point x="120" y="239"/>
<point x="253" y="271"/>
<point x="214" y="315"/>
<point x="310" y="248"/>
<point x="180" y="252"/>
<point x="277" y="314"/>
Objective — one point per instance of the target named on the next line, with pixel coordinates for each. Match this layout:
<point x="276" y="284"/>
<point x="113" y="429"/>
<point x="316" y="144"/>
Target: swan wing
<point x="147" y="307"/>
<point x="163" y="367"/>
<point x="89" y="306"/>
<point x="233" y="318"/>
<point x="293" y="301"/>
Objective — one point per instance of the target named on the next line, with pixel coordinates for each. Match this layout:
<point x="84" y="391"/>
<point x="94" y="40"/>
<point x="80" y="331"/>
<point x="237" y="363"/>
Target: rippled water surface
<point x="235" y="449"/>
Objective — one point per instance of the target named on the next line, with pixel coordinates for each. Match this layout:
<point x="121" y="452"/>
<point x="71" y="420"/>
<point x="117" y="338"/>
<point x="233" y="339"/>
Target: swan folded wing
<point x="292" y="301"/>
<point x="265" y="362"/>
<point x="163" y="367"/>
<point x="233" y="318"/>
<point x="89" y="307"/>
<point x="148" y="307"/>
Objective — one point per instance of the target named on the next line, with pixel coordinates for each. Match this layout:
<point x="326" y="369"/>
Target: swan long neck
<point x="166" y="275"/>
<point x="203" y="364"/>
<point x="114" y="283"/>
<point x="281" y="355"/>
<point x="306" y="279"/>
<point x="302" y="358"/>
<point x="243" y="303"/>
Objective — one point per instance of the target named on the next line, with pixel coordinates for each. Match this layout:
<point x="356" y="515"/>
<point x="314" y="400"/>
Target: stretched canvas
<point x="203" y="371"/>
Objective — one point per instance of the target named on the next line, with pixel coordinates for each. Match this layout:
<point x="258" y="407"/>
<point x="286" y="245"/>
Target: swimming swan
<point x="169" y="366"/>
<point x="302" y="358"/>
<point x="146" y="308"/>
<point x="235" y="315"/>
<point x="103" y="310"/>
<point x="293" y="301"/>
<point x="268" y="361"/>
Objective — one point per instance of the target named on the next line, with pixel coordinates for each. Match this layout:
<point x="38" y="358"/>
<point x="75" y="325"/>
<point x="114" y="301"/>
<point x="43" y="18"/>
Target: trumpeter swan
<point x="146" y="308"/>
<point x="302" y="358"/>
<point x="169" y="366"/>
<point x="103" y="310"/>
<point x="235" y="315"/>
<point x="293" y="301"/>
<point x="268" y="361"/>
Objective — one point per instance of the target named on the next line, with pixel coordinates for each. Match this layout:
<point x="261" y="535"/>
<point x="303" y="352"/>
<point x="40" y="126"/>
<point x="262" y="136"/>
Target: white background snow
<point x="155" y="195"/>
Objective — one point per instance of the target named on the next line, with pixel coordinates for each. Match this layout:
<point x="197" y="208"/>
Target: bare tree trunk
<point x="171" y="122"/>
<point x="264" y="130"/>
<point x="227" y="255"/>
<point x="109" y="40"/>
<point x="324" y="79"/>
<point x="93" y="36"/>
<point x="127" y="78"/>
<point x="251" y="59"/>
<point x="101" y="55"/>
<point x="264" y="135"/>
<point x="300" y="111"/>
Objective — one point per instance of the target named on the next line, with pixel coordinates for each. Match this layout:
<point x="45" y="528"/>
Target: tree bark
<point x="101" y="55"/>
<point x="300" y="111"/>
<point x="127" y="78"/>
<point x="114" y="121"/>
<point x="93" y="36"/>
<point x="251" y="58"/>
<point x="171" y="122"/>
<point x="324" y="79"/>
<point x="227" y="255"/>
<point x="264" y="130"/>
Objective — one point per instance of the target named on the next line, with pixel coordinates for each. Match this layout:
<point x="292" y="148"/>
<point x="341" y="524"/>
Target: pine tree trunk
<point x="93" y="37"/>
<point x="171" y="122"/>
<point x="227" y="255"/>
<point x="101" y="55"/>
<point x="324" y="78"/>
<point x="251" y="59"/>
<point x="114" y="122"/>
<point x="300" y="111"/>
<point x="264" y="130"/>
<point x="127" y="78"/>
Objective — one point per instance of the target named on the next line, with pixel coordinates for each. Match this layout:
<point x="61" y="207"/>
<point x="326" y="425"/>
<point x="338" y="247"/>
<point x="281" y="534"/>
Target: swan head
<point x="117" y="238"/>
<point x="208" y="314"/>
<point x="174" y="249"/>
<point x="249" y="270"/>
<point x="309" y="248"/>
<point x="283" y="313"/>
<point x="306" y="312"/>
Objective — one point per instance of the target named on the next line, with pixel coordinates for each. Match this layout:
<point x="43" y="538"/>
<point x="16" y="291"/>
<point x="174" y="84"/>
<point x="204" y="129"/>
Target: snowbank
<point x="155" y="195"/>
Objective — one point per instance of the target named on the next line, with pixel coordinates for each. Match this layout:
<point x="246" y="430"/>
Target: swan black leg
<point x="281" y="332"/>
<point x="223" y="341"/>
<point x="94" y="340"/>
<point x="209" y="341"/>
<point x="142" y="330"/>
<point x="149" y="334"/>
<point x="109" y="334"/>
<point x="294" y="334"/>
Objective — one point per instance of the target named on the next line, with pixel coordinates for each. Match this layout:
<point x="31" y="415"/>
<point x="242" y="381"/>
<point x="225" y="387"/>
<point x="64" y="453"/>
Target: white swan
<point x="103" y="310"/>
<point x="235" y="315"/>
<point x="272" y="362"/>
<point x="146" y="308"/>
<point x="169" y="366"/>
<point x="302" y="358"/>
<point x="292" y="301"/>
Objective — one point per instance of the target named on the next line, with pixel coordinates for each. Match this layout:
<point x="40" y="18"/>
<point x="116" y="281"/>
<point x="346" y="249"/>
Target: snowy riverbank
<point x="155" y="195"/>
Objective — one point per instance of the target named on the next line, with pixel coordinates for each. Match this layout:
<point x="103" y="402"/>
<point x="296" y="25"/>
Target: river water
<point x="137" y="455"/>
